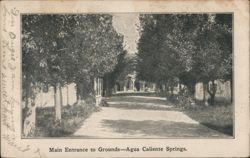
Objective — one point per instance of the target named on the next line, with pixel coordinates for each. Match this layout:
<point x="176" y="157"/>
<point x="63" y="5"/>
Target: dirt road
<point x="142" y="117"/>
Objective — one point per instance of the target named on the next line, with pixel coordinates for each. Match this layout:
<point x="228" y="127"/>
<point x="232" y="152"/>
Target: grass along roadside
<point x="72" y="118"/>
<point x="219" y="118"/>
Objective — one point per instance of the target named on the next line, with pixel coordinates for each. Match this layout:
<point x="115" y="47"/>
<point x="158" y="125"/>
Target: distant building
<point x="132" y="84"/>
<point x="223" y="90"/>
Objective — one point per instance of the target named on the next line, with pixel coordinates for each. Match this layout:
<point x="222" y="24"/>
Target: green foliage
<point x="43" y="49"/>
<point x="112" y="77"/>
<point x="96" y="44"/>
<point x="213" y="54"/>
<point x="72" y="118"/>
<point x="59" y="49"/>
<point x="159" y="50"/>
<point x="185" y="48"/>
<point x="68" y="48"/>
<point x="218" y="118"/>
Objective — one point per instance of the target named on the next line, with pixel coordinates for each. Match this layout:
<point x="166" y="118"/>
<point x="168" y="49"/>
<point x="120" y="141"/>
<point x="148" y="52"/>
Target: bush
<point x="72" y="119"/>
<point x="184" y="99"/>
<point x="90" y="100"/>
<point x="217" y="117"/>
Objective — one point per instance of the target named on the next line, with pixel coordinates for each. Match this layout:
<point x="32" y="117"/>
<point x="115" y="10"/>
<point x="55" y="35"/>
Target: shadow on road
<point x="144" y="107"/>
<point x="226" y="129"/>
<point x="128" y="102"/>
<point x="161" y="128"/>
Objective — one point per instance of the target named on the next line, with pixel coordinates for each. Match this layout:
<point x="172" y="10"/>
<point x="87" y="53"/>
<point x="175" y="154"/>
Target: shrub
<point x="184" y="99"/>
<point x="217" y="117"/>
<point x="72" y="119"/>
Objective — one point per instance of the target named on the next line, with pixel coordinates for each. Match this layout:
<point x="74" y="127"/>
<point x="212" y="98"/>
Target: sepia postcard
<point x="125" y="78"/>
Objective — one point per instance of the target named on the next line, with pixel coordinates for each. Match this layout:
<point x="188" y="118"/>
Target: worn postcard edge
<point x="13" y="146"/>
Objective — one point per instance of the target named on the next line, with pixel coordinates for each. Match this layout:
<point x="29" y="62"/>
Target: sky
<point x="127" y="24"/>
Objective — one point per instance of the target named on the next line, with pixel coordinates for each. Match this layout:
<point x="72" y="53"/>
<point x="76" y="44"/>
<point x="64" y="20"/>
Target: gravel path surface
<point x="123" y="119"/>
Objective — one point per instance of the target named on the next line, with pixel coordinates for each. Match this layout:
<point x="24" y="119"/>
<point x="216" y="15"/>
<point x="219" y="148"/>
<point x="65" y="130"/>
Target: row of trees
<point x="63" y="49"/>
<point x="186" y="49"/>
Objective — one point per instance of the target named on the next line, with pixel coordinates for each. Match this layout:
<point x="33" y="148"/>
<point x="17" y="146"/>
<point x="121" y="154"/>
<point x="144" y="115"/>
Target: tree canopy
<point x="185" y="48"/>
<point x="59" y="49"/>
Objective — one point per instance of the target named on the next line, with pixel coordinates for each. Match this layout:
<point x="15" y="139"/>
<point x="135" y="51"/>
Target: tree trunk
<point x="61" y="97"/>
<point x="179" y="88"/>
<point x="212" y="93"/>
<point x="29" y="124"/>
<point x="57" y="101"/>
<point x="212" y="99"/>
<point x="165" y="88"/>
<point x="67" y="88"/>
<point x="96" y="91"/>
<point x="143" y="86"/>
<point x="231" y="90"/>
<point x="27" y="95"/>
<point x="95" y="86"/>
<point x="159" y="88"/>
<point x="172" y="89"/>
<point x="101" y="87"/>
<point x="107" y="89"/>
<point x="204" y="94"/>
<point x="79" y="93"/>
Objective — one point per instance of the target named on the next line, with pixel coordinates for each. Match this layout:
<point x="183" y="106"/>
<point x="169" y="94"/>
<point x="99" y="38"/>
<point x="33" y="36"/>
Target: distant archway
<point x="137" y="85"/>
<point x="118" y="86"/>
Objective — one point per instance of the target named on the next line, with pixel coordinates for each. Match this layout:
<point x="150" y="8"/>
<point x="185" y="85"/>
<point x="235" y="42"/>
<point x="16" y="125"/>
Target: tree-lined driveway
<point x="142" y="117"/>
